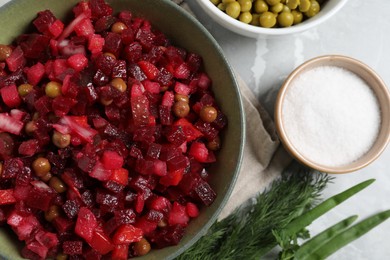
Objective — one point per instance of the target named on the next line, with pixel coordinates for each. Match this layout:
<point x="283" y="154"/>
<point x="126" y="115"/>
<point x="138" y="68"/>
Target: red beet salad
<point x="106" y="134"/>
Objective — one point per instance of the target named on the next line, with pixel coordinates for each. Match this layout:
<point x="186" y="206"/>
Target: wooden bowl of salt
<point x="332" y="114"/>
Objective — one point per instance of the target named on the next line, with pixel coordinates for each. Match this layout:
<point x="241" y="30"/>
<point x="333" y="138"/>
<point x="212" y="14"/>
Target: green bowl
<point x="184" y="31"/>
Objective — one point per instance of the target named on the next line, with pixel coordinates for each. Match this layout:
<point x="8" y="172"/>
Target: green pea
<point x="286" y="9"/>
<point x="277" y="8"/>
<point x="255" y="19"/>
<point x="314" y="9"/>
<point x="304" y="6"/>
<point x="216" y="2"/>
<point x="228" y="1"/>
<point x="285" y="19"/>
<point x="233" y="9"/>
<point x="292" y="4"/>
<point x="298" y="16"/>
<point x="260" y="6"/>
<point x="273" y="2"/>
<point x="245" y="17"/>
<point x="267" y="20"/>
<point x="246" y="5"/>
<point x="221" y="6"/>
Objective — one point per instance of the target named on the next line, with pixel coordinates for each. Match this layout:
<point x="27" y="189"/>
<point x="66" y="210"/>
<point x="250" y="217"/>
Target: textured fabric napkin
<point x="263" y="159"/>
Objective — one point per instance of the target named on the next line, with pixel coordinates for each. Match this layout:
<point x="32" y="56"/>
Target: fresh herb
<point x="331" y="239"/>
<point x="247" y="232"/>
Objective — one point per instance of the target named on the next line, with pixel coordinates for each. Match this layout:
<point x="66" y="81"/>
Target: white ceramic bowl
<point x="328" y="9"/>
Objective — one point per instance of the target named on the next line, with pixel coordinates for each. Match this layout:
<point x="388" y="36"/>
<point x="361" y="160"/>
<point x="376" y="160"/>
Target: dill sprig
<point x="247" y="232"/>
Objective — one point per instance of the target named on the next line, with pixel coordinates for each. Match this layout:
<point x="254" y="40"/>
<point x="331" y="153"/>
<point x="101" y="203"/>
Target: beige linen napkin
<point x="263" y="159"/>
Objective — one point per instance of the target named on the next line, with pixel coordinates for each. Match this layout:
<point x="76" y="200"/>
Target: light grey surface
<point x="360" y="30"/>
<point x="354" y="31"/>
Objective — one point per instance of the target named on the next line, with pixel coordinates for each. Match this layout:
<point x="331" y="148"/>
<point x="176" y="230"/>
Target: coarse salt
<point x="331" y="116"/>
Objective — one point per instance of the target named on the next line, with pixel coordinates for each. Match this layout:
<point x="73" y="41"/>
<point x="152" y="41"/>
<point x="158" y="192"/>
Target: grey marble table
<point x="361" y="29"/>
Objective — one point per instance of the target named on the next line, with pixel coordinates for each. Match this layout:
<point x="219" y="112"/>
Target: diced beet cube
<point x="84" y="28"/>
<point x="101" y="242"/>
<point x="194" y="61"/>
<point x="16" y="60"/>
<point x="11" y="168"/>
<point x="120" y="176"/>
<point x="44" y="19"/>
<point x="104" y="23"/>
<point x="85" y="224"/>
<point x="111" y="202"/>
<point x="28" y="254"/>
<point x="205" y="193"/>
<point x="119" y="70"/>
<point x="125" y="16"/>
<point x="204" y="81"/>
<point x="145" y="225"/>
<point x="199" y="151"/>
<point x="34" y="45"/>
<point x="192" y="210"/>
<point x="47" y="239"/>
<point x="140" y="110"/>
<point x="152" y="87"/>
<point x="133" y="52"/>
<point x="7" y="197"/>
<point x="175" y="135"/>
<point x="99" y="8"/>
<point x="159" y="167"/>
<point x="182" y="71"/>
<point x="95" y="43"/>
<point x="77" y="61"/>
<point x="41" y="196"/>
<point x="72" y="247"/>
<point x="10" y="125"/>
<point x="120" y="252"/>
<point x="43" y="105"/>
<point x="154" y="216"/>
<point x="173" y="178"/>
<point x="71" y="208"/>
<point x="56" y="28"/>
<point x="160" y="204"/>
<point x="37" y="248"/>
<point x="35" y="73"/>
<point x="112" y="43"/>
<point x="10" y="96"/>
<point x="168" y="236"/>
<point x="178" y="215"/>
<point x="207" y="129"/>
<point x="164" y="77"/>
<point x="189" y="130"/>
<point x="29" y="147"/>
<point x="112" y="160"/>
<point x="168" y="99"/>
<point x="182" y="89"/>
<point x="63" y="224"/>
<point x="149" y="69"/>
<point x="136" y="72"/>
<point x="62" y="105"/>
<point x="125" y="216"/>
<point x="23" y="225"/>
<point x="127" y="234"/>
<point x="145" y="37"/>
